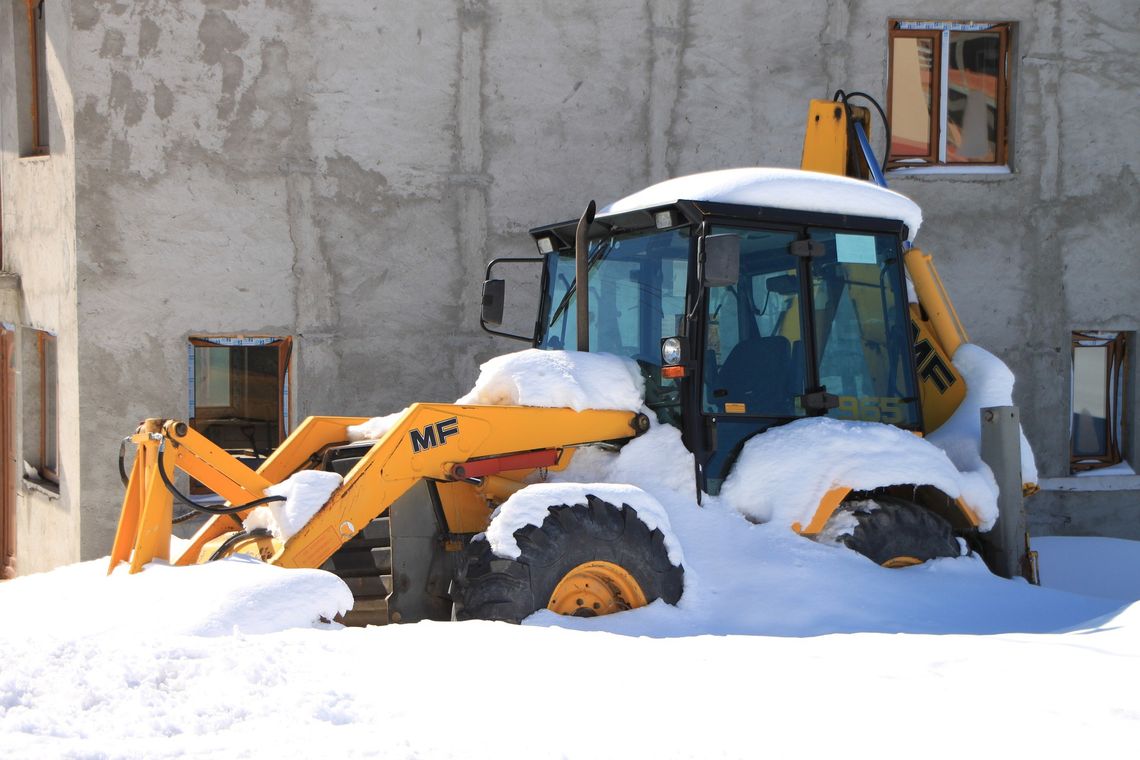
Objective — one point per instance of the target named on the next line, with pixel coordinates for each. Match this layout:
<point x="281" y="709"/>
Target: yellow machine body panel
<point x="827" y="136"/>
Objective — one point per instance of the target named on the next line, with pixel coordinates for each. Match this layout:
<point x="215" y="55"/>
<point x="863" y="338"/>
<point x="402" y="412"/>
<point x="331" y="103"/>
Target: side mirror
<point x="721" y="265"/>
<point x="498" y="317"/>
<point x="494" y="295"/>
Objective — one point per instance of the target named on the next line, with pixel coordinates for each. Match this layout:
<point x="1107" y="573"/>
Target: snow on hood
<point x="305" y="493"/>
<point x="988" y="383"/>
<point x="570" y="379"/>
<point x="531" y="505"/>
<point x="779" y="188"/>
<point x="783" y="473"/>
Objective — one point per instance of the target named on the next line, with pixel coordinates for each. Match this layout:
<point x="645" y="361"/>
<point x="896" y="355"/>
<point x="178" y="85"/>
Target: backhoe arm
<point x="442" y="442"/>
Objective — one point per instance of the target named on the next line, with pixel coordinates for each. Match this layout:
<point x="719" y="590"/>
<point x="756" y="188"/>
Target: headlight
<point x="671" y="351"/>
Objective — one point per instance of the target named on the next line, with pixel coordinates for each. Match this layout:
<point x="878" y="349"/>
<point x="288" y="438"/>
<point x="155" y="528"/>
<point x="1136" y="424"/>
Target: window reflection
<point x="971" y="107"/>
<point x="912" y="96"/>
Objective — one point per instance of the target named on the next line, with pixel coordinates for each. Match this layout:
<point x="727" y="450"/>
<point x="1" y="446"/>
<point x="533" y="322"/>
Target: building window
<point x="41" y="409"/>
<point x="948" y="93"/>
<point x="30" y="38"/>
<point x="239" y="392"/>
<point x="1099" y="362"/>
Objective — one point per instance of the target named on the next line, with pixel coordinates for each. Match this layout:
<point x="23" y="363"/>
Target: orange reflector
<point x="673" y="372"/>
<point x="733" y="408"/>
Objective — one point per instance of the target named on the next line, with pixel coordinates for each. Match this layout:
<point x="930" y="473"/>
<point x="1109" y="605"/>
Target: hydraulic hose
<point x="843" y="97"/>
<point x="122" y="454"/>
<point x="237" y="538"/>
<point x="204" y="508"/>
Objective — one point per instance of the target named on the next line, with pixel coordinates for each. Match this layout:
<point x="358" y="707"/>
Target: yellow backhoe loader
<point x="742" y="317"/>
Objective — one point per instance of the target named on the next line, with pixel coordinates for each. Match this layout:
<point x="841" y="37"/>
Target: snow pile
<point x="314" y="693"/>
<point x="569" y="379"/>
<point x="375" y="428"/>
<point x="305" y="493"/>
<point x="213" y="599"/>
<point x="988" y="383"/>
<point x="783" y="474"/>
<point x="656" y="462"/>
<point x="779" y="188"/>
<point x="531" y="505"/>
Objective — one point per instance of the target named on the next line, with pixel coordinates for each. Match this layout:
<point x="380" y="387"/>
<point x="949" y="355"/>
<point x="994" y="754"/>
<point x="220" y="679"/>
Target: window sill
<point x="34" y="157"/>
<point x="45" y="487"/>
<point x="1088" y="484"/>
<point x="944" y="170"/>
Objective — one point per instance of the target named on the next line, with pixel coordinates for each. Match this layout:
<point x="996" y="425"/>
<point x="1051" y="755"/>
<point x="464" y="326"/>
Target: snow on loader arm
<point x="475" y="456"/>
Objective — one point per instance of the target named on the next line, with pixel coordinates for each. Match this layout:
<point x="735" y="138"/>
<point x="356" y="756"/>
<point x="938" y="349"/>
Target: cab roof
<point x="790" y="189"/>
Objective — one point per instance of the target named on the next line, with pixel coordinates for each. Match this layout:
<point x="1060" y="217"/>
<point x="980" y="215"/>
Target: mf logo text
<point x="433" y="435"/>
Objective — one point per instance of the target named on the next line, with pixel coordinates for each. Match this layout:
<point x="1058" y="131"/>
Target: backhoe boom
<point x="437" y="442"/>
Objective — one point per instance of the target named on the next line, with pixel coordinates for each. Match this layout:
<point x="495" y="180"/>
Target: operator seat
<point x="755" y="374"/>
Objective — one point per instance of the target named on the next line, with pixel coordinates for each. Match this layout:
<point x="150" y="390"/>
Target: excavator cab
<point x="805" y="314"/>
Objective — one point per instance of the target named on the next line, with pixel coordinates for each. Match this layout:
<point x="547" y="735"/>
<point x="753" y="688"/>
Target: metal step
<point x="366" y="611"/>
<point x="369" y="586"/>
<point x="364" y="563"/>
<point x="354" y="563"/>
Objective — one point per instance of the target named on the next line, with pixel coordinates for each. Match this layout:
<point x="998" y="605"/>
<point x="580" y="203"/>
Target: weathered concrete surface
<point x="341" y="171"/>
<point x="39" y="246"/>
<point x="1085" y="513"/>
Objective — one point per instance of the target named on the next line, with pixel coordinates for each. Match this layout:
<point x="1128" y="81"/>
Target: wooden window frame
<point x="939" y="33"/>
<point x="1115" y="378"/>
<point x="46" y="342"/>
<point x="9" y="477"/>
<point x="284" y="347"/>
<point x="39" y="135"/>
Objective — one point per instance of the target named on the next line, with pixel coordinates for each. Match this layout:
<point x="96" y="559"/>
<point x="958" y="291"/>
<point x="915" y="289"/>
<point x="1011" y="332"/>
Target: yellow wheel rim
<point x="903" y="561"/>
<point x="596" y="588"/>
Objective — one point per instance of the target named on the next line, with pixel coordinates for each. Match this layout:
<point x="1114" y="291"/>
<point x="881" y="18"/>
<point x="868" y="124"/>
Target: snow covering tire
<point x="571" y="537"/>
<point x="895" y="533"/>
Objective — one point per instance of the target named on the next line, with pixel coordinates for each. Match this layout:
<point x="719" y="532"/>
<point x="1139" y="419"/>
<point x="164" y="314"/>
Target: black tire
<point x="495" y="588"/>
<point x="892" y="531"/>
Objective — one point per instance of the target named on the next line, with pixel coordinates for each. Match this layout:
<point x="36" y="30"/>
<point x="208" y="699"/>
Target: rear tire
<point x="600" y="558"/>
<point x="893" y="532"/>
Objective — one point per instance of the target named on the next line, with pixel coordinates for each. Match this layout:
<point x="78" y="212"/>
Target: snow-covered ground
<point x="779" y="647"/>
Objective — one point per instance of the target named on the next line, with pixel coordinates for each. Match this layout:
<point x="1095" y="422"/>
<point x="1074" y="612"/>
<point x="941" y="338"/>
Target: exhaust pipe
<point x="582" y="275"/>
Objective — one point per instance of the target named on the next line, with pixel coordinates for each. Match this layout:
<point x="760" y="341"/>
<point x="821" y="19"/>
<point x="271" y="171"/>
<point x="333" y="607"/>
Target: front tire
<point x="584" y="560"/>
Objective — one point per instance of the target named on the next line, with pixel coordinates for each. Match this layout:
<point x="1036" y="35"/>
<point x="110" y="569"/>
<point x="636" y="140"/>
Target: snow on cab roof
<point x="779" y="188"/>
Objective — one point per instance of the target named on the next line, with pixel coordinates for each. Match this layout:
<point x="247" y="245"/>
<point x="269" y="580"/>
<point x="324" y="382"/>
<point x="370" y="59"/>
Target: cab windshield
<point x="637" y="297"/>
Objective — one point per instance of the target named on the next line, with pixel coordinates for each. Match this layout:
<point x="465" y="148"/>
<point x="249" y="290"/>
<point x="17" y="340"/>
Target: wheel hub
<point x="596" y="588"/>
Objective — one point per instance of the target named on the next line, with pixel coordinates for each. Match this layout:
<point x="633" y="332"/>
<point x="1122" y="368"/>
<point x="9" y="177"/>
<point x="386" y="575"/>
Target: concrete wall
<point x="39" y="248"/>
<point x="341" y="171"/>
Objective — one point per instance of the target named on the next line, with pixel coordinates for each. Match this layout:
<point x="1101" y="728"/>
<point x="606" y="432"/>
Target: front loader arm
<point x="432" y="441"/>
